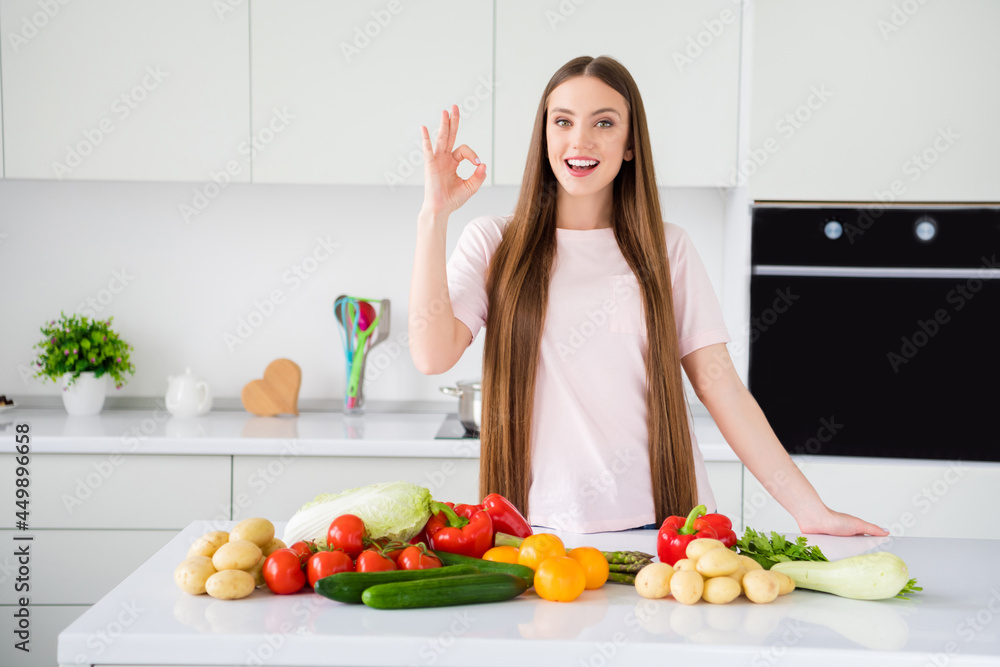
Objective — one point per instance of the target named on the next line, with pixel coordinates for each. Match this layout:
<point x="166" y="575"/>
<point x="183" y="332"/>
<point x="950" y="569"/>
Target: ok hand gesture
<point x="444" y="190"/>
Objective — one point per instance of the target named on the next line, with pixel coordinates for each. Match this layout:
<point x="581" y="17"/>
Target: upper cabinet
<point x="683" y="54"/>
<point x="345" y="86"/>
<point x="122" y="90"/>
<point x="865" y="100"/>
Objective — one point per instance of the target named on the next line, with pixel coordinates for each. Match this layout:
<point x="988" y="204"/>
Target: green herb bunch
<point x="777" y="549"/>
<point x="77" y="344"/>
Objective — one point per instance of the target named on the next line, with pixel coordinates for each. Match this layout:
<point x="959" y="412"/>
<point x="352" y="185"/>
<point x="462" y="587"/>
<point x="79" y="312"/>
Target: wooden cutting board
<point x="277" y="392"/>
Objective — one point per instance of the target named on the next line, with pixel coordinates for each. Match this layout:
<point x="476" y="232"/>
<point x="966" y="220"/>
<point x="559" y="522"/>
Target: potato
<point x="257" y="530"/>
<point x="720" y="590"/>
<point x="191" y="575"/>
<point x="257" y="572"/>
<point x="230" y="585"/>
<point x="208" y="544"/>
<point x="653" y="581"/>
<point x="737" y="576"/>
<point x="785" y="583"/>
<point x="684" y="564"/>
<point x="718" y="563"/>
<point x="238" y="555"/>
<point x="750" y="563"/>
<point x="760" y="586"/>
<point x="687" y="586"/>
<point x="698" y="548"/>
<point x="272" y="546"/>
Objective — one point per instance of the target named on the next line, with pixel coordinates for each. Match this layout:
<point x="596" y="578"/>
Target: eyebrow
<point x="596" y="113"/>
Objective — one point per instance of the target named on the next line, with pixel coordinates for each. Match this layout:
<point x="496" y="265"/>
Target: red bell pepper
<point x="506" y="517"/>
<point x="723" y="528"/>
<point x="466" y="535"/>
<point x="677" y="532"/>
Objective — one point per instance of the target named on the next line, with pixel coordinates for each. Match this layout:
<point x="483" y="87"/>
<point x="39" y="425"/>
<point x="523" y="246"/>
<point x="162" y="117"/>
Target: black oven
<point x="874" y="329"/>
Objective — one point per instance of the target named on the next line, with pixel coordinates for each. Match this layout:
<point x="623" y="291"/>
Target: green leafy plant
<point x="75" y="345"/>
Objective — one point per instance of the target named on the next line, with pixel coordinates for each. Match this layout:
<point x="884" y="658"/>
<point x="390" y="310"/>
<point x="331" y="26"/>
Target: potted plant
<point x="82" y="354"/>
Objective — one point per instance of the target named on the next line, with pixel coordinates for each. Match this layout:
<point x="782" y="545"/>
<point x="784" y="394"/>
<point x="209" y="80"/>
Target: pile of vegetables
<point x="228" y="566"/>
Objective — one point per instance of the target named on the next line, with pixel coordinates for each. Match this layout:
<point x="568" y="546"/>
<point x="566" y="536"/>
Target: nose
<point x="582" y="137"/>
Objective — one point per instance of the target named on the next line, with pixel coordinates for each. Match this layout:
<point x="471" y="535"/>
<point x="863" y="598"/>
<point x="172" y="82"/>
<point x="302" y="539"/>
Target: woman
<point x="591" y="305"/>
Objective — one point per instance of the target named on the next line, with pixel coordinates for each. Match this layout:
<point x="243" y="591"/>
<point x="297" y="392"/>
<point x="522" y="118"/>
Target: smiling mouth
<point x="581" y="166"/>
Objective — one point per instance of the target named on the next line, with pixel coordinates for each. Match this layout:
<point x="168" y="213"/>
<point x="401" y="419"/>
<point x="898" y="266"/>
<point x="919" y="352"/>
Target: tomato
<point x="304" y="549"/>
<point x="595" y="565"/>
<point x="283" y="572"/>
<point x="537" y="548"/>
<point x="372" y="561"/>
<point x="347" y="532"/>
<point x="324" y="563"/>
<point x="502" y="555"/>
<point x="560" y="579"/>
<point x="391" y="549"/>
<point x="416" y="558"/>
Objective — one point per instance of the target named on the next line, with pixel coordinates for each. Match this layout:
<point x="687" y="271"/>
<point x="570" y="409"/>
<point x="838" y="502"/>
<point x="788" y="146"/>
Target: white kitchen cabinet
<point x="911" y="498"/>
<point x="869" y="100"/>
<point x="275" y="487"/>
<point x="683" y="55"/>
<point x="46" y="624"/>
<point x="346" y="85"/>
<point x="726" y="478"/>
<point x="123" y="491"/>
<point x="122" y="90"/>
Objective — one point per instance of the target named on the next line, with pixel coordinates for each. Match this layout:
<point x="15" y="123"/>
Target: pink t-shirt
<point x="589" y="454"/>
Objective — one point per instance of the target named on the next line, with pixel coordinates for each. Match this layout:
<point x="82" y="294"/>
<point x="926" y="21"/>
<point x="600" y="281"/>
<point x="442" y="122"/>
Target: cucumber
<point x="445" y="591"/>
<point x="522" y="571"/>
<point x="348" y="586"/>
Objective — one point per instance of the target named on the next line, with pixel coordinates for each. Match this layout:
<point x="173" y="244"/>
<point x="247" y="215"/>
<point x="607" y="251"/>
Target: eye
<point x="560" y="122"/>
<point x="604" y="123"/>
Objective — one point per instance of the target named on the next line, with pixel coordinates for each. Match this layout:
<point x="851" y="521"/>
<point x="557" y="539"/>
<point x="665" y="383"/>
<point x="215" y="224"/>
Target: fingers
<point x="463" y="152"/>
<point x="443" y="131"/>
<point x="453" y="127"/>
<point x="478" y="177"/>
<point x="426" y="139"/>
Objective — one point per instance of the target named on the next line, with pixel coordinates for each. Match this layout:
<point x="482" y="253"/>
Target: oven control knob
<point x="925" y="229"/>
<point x="833" y="229"/>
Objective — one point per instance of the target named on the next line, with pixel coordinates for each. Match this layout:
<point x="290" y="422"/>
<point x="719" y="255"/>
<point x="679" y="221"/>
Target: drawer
<point x="121" y="491"/>
<point x="46" y="624"/>
<point x="276" y="487"/>
<point x="79" y="566"/>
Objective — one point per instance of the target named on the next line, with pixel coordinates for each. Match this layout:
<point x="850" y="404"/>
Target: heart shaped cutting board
<point x="277" y="393"/>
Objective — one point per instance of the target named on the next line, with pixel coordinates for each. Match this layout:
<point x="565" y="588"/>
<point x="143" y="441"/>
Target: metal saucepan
<point x="470" y="402"/>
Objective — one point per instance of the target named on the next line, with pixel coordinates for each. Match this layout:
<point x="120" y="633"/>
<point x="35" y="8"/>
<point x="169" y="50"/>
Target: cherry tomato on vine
<point x="415" y="558"/>
<point x="347" y="532"/>
<point x="372" y="561"/>
<point x="283" y="572"/>
<point x="324" y="563"/>
<point x="304" y="550"/>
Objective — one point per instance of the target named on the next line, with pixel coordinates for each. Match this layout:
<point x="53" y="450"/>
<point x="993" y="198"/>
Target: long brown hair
<point x="517" y="288"/>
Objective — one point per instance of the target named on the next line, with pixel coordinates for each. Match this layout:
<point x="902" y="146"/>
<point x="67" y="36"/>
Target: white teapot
<point x="188" y="395"/>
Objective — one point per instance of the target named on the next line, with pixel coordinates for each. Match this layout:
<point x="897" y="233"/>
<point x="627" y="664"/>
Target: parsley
<point x="777" y="549"/>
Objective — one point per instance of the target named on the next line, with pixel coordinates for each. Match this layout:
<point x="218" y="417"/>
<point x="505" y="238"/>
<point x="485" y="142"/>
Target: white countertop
<point x="146" y="620"/>
<point x="237" y="432"/>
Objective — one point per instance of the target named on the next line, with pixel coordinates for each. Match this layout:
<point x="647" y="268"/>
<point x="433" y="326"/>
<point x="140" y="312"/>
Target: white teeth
<point x="582" y="163"/>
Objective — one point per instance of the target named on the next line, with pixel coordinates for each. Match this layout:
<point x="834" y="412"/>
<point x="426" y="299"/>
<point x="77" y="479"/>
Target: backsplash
<point x="250" y="278"/>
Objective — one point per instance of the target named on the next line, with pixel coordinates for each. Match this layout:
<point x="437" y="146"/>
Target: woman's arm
<point x="436" y="338"/>
<point x="745" y="428"/>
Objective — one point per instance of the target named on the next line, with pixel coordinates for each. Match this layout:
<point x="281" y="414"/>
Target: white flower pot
<point x="85" y="397"/>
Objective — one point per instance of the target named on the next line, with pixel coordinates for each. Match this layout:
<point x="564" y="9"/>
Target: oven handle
<point x="982" y="273"/>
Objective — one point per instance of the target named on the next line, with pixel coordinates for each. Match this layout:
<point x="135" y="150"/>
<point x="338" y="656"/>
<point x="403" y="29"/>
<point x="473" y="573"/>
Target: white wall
<point x="187" y="284"/>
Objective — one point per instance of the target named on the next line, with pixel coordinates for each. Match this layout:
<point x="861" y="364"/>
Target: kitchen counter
<point x="146" y="620"/>
<point x="155" y="431"/>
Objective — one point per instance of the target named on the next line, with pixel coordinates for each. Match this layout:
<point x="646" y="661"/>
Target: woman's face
<point x="588" y="134"/>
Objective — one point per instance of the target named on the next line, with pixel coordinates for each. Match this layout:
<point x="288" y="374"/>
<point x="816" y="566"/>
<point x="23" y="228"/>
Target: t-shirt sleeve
<point x="696" y="307"/>
<point x="467" y="270"/>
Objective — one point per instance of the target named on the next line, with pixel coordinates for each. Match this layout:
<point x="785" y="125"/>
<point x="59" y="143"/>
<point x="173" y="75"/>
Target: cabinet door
<point x="275" y="488"/>
<point x="350" y="83"/>
<point x="683" y="55"/>
<point x="123" y="491"/>
<point x="726" y="478"/>
<point x="123" y="90"/>
<point x="868" y="100"/>
<point x="907" y="498"/>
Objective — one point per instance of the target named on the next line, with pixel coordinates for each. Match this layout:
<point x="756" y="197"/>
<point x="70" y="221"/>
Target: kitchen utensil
<point x="277" y="392"/>
<point x="470" y="402"/>
<point x="345" y="307"/>
<point x="187" y="395"/>
<point x="381" y="333"/>
<point x="359" y="361"/>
